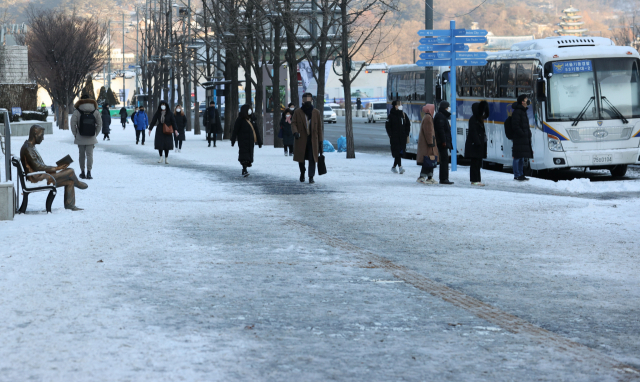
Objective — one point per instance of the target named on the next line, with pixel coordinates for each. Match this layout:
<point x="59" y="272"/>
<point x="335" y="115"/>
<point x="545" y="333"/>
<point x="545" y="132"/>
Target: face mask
<point x="163" y="107"/>
<point x="292" y="108"/>
<point x="178" y="110"/>
<point x="250" y="112"/>
<point x="141" y="109"/>
<point x="400" y="107"/>
<point x="449" y="109"/>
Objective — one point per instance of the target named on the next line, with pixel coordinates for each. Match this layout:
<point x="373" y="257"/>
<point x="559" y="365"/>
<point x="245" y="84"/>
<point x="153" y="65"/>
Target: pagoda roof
<point x="571" y="10"/>
<point x="571" y="24"/>
<point x="570" y="17"/>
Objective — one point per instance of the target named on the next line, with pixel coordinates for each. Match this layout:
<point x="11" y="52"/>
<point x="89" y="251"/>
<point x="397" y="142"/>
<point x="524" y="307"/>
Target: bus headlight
<point x="554" y="143"/>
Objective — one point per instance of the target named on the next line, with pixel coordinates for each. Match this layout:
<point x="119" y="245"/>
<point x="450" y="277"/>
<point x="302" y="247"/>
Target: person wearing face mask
<point x="521" y="136"/>
<point x="443" y="137"/>
<point x="163" y="142"/>
<point x="181" y="124"/>
<point x="475" y="148"/>
<point x="292" y="107"/>
<point x="141" y="121"/>
<point x="398" y="127"/>
<point x="287" y="134"/>
<point x="306" y="125"/>
<point x="211" y="121"/>
<point x="247" y="136"/>
<point x="427" y="146"/>
<point x="106" y="122"/>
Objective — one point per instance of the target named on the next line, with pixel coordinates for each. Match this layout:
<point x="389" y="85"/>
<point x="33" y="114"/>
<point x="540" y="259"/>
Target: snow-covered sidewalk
<point x="188" y="271"/>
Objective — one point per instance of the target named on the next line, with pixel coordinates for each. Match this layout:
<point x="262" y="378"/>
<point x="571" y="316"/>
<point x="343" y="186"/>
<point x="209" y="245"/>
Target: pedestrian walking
<point x="211" y="121"/>
<point x="106" y="122"/>
<point x="443" y="137"/>
<point x="427" y="146"/>
<point x="398" y="128"/>
<point x="123" y="117"/>
<point x="308" y="132"/>
<point x="165" y="122"/>
<point x="245" y="133"/>
<point x="521" y="136"/>
<point x="287" y="134"/>
<point x="291" y="107"/>
<point x="475" y="147"/>
<point x="86" y="125"/>
<point x="181" y="124"/>
<point x="141" y="122"/>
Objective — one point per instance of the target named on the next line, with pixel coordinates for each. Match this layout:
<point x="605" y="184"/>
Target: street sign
<point x="433" y="62"/>
<point x="434" y="56"/>
<point x="471" y="40"/>
<point x="435" y="48"/>
<point x="461" y="32"/>
<point x="472" y="62"/>
<point x="460" y="47"/>
<point x="436" y="40"/>
<point x="476" y="32"/>
<point x="437" y="32"/>
<point x="461" y="55"/>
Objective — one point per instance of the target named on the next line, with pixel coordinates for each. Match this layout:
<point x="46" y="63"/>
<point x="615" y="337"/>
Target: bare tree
<point x="63" y="49"/>
<point x="360" y="20"/>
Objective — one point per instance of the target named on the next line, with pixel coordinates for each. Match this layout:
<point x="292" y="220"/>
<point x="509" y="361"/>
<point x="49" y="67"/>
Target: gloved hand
<point x="296" y="135"/>
<point x="444" y="145"/>
<point x="233" y="143"/>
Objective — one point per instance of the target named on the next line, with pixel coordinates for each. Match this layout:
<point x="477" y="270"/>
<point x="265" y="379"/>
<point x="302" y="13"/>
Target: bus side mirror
<point x="541" y="95"/>
<point x="438" y="93"/>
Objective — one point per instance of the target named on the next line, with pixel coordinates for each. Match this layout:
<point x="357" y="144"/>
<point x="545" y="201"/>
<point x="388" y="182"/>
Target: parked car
<point x="376" y="111"/>
<point x="330" y="115"/>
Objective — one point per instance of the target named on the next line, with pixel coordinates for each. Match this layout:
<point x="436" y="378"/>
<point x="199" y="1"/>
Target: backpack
<point x="87" y="124"/>
<point x="508" y="128"/>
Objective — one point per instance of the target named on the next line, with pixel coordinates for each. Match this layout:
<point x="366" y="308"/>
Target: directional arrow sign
<point x="460" y="47"/>
<point x="433" y="56"/>
<point x="438" y="48"/>
<point x="470" y="40"/>
<point x="475" y="32"/>
<point x="437" y="32"/>
<point x="433" y="63"/>
<point x="461" y="32"/>
<point x="437" y="40"/>
<point x="472" y="62"/>
<point x="471" y="55"/>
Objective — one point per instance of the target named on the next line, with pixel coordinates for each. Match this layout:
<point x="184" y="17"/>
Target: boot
<point x="302" y="177"/>
<point x="400" y="170"/>
<point x="209" y="143"/>
<point x="89" y="175"/>
<point x="311" y="181"/>
<point x="166" y="160"/>
<point x="82" y="175"/>
<point x="161" y="159"/>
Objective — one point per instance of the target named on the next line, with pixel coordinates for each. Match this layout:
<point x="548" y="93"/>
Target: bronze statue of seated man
<point x="32" y="162"/>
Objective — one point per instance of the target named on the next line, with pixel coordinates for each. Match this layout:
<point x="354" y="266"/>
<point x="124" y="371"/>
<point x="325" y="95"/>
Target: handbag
<point x="430" y="161"/>
<point x="167" y="129"/>
<point x="322" y="167"/>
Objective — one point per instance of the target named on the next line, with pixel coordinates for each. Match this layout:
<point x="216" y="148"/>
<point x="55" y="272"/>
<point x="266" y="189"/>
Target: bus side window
<point x="507" y="79"/>
<point x="524" y="78"/>
<point x="421" y="95"/>
<point x="391" y="85"/>
<point x="466" y="81"/>
<point x="459" y="80"/>
<point x="476" y="74"/>
<point x="489" y="80"/>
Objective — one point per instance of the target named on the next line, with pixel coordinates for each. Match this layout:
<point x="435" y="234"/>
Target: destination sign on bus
<point x="572" y="66"/>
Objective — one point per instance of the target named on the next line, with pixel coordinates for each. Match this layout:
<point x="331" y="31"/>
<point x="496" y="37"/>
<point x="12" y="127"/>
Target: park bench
<point x="27" y="190"/>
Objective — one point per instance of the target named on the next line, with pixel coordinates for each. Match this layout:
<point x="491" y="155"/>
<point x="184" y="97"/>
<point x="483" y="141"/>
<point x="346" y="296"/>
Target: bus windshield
<point x="573" y="84"/>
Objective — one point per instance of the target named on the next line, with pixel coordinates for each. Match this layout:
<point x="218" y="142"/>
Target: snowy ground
<point x="190" y="272"/>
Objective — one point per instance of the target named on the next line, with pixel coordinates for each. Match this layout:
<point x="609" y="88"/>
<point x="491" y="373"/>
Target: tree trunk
<point x="292" y="63"/>
<point x="196" y="107"/>
<point x="275" y="81"/>
<point x="346" y="81"/>
<point x="248" y="84"/>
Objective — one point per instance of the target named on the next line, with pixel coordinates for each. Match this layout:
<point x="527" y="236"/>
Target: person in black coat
<point x="181" y="124"/>
<point x="123" y="117"/>
<point x="163" y="142"/>
<point x="521" y="136"/>
<point x="475" y="148"/>
<point x="443" y="137"/>
<point x="287" y="134"/>
<point x="247" y="135"/>
<point x="211" y="122"/>
<point x="398" y="128"/>
<point x="106" y="121"/>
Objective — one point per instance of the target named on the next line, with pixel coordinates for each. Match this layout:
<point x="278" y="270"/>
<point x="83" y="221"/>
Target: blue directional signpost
<point x="448" y="49"/>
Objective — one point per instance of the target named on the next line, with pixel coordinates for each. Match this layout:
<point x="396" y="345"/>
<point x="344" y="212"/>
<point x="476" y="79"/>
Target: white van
<point x="376" y="111"/>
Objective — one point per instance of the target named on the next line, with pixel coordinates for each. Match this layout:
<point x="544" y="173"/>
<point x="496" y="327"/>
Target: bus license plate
<point x="602" y="159"/>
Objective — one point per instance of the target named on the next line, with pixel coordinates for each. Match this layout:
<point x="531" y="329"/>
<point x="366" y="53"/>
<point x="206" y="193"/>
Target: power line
<point x="464" y="14"/>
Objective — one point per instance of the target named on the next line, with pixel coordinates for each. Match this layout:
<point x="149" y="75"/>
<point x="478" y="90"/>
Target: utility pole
<point x="109" y="56"/>
<point x="124" y="87"/>
<point x="428" y="71"/>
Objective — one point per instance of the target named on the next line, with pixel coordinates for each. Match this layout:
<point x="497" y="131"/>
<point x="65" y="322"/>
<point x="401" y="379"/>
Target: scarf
<point x="307" y="108"/>
<point x="162" y="114"/>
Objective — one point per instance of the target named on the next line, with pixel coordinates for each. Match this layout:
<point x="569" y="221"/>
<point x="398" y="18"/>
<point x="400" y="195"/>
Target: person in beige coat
<point x="86" y="143"/>
<point x="427" y="145"/>
<point x="307" y="129"/>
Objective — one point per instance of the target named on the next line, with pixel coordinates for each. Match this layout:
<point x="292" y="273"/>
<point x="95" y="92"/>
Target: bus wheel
<point x="618" y="171"/>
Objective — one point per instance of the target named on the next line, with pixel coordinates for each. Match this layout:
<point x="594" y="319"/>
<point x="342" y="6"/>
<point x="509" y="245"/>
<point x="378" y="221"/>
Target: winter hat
<point x="429" y="109"/>
<point x="444" y="105"/>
